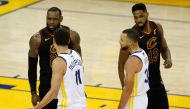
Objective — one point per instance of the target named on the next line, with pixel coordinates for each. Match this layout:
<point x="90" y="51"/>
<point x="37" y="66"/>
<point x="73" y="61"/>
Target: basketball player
<point x="136" y="67"/>
<point x="67" y="76"/>
<point x="153" y="42"/>
<point x="41" y="44"/>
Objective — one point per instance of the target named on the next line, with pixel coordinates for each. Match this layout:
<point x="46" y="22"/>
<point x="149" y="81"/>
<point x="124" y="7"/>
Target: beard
<point x="143" y="26"/>
<point x="51" y="30"/>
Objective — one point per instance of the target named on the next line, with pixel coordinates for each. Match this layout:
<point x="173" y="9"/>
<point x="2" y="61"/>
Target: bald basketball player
<point x="41" y="45"/>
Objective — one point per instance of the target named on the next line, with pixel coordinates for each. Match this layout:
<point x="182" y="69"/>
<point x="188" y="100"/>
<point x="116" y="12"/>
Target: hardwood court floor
<point x="17" y="90"/>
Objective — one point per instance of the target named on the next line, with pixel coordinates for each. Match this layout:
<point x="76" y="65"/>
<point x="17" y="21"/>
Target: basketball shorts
<point x="61" y="107"/>
<point x="158" y="98"/>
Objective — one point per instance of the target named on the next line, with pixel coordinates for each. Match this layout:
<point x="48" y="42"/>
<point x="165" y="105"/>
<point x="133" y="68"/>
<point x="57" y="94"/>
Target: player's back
<point x="72" y="92"/>
<point x="141" y="78"/>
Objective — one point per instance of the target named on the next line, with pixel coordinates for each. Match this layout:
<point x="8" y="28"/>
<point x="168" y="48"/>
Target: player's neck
<point x="134" y="48"/>
<point x="147" y="28"/>
<point x="62" y="49"/>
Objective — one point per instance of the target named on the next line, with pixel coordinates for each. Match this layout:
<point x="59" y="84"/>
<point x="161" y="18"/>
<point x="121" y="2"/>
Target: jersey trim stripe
<point x="129" y="102"/>
<point x="129" y="106"/>
<point x="136" y="84"/>
<point x="134" y="92"/>
<point x="64" y="99"/>
<point x="137" y="51"/>
<point x="68" y="53"/>
<point x="132" y="105"/>
<point x="137" y="57"/>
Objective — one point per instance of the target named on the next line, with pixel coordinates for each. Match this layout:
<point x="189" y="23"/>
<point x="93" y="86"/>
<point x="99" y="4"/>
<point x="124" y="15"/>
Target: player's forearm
<point x="121" y="73"/>
<point x="123" y="56"/>
<point x="121" y="62"/>
<point x="124" y="97"/>
<point x="32" y="73"/>
<point x="32" y="81"/>
<point x="166" y="53"/>
<point x="47" y="99"/>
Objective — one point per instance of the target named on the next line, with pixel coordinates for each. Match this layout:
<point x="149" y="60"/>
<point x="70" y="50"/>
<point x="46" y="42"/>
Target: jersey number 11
<point x="78" y="78"/>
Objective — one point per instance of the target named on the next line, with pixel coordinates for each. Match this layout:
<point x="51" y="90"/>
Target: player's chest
<point x="47" y="46"/>
<point x="150" y="41"/>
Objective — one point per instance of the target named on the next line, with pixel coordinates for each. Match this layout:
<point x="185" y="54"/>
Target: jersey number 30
<point x="78" y="78"/>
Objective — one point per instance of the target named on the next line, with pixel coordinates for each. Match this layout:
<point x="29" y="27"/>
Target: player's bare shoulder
<point x="35" y="40"/>
<point x="75" y="38"/>
<point x="133" y="59"/>
<point x="134" y="62"/>
<point x="59" y="64"/>
<point x="159" y="26"/>
<point x="34" y="45"/>
<point x="58" y="61"/>
<point x="75" y="41"/>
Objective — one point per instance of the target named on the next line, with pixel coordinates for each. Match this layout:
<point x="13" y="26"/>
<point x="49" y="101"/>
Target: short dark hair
<point x="132" y="34"/>
<point x="55" y="9"/>
<point x="62" y="36"/>
<point x="139" y="6"/>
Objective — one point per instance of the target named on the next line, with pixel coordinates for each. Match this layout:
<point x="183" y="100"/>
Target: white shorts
<point x="61" y="107"/>
<point x="137" y="102"/>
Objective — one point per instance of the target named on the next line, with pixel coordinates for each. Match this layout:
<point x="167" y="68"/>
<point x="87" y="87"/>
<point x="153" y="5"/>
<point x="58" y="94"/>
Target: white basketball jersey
<point x="71" y="94"/>
<point x="141" y="85"/>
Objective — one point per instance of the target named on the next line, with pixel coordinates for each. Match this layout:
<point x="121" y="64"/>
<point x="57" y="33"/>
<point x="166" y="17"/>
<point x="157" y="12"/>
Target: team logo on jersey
<point x="52" y="49"/>
<point x="141" y="37"/>
<point x="52" y="57"/>
<point x="151" y="43"/>
<point x="46" y="39"/>
<point x="53" y="54"/>
<point x="154" y="31"/>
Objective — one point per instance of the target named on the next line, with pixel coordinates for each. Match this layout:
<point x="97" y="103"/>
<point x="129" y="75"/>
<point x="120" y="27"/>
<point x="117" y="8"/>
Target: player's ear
<point x="69" y="41"/>
<point x="147" y="14"/>
<point x="61" y="19"/>
<point x="131" y="42"/>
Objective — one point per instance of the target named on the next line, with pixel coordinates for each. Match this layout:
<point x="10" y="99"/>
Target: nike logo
<point x="46" y="39"/>
<point x="154" y="31"/>
<point x="141" y="37"/>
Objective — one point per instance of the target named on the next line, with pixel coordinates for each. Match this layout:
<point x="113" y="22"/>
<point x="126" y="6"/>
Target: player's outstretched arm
<point x="59" y="68"/>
